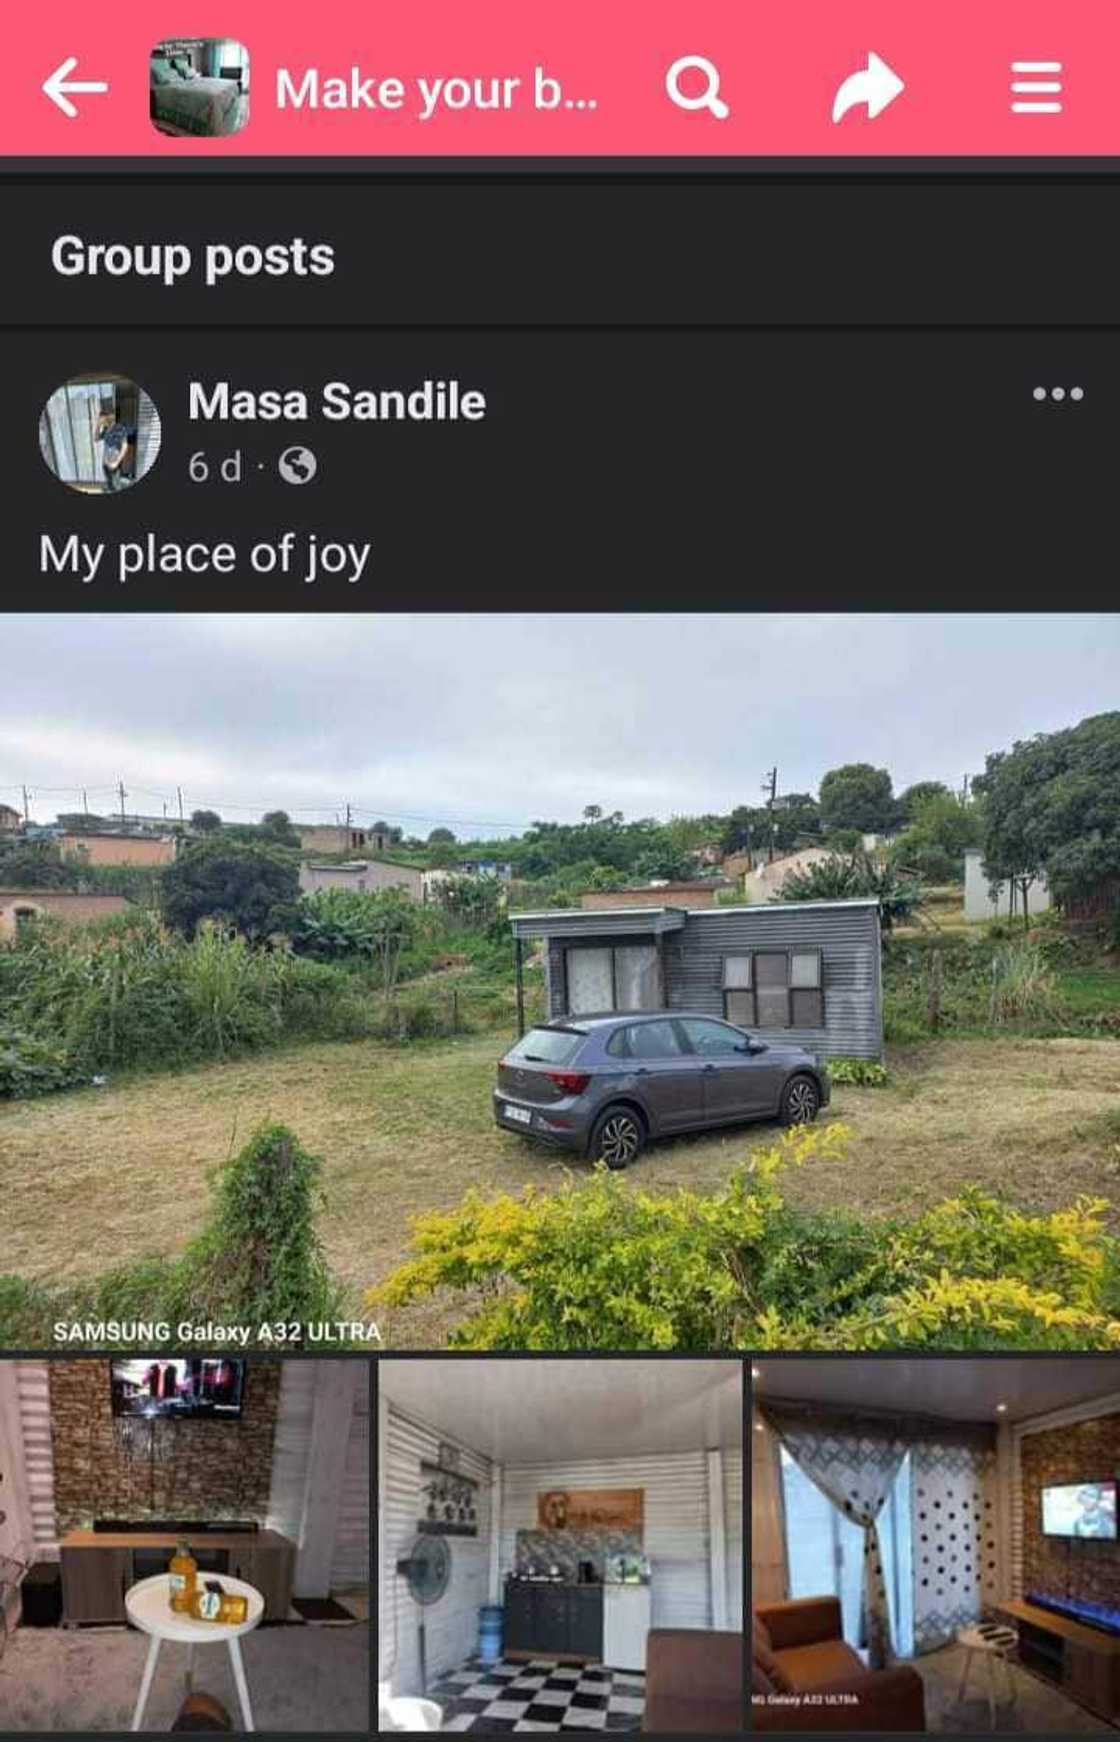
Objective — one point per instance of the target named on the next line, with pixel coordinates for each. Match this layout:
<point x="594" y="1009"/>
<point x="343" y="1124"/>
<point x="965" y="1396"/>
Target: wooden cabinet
<point x="553" y="1620"/>
<point x="93" y="1585"/>
<point x="1082" y="1660"/>
<point x="98" y="1568"/>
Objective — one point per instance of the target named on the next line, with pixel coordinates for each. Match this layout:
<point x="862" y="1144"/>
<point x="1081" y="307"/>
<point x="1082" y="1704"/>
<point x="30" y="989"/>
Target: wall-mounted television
<point x="183" y="1388"/>
<point x="1082" y="1509"/>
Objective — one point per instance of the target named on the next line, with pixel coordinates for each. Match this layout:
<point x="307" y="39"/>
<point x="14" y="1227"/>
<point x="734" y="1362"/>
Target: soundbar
<point x="1103" y="1616"/>
<point x="172" y="1526"/>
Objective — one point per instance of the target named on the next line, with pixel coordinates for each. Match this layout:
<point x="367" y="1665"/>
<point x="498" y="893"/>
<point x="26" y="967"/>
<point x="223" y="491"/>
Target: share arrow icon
<point x="876" y="85"/>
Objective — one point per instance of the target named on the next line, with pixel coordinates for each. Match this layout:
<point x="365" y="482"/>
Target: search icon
<point x="708" y="97"/>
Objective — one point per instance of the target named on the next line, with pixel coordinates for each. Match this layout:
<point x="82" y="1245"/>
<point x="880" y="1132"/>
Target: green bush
<point x="868" y="1073"/>
<point x="29" y="1066"/>
<point x="607" y="1265"/>
<point x="258" y="1261"/>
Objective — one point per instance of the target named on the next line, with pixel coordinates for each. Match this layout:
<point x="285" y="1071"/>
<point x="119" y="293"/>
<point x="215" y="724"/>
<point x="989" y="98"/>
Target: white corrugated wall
<point x="733" y="1527"/>
<point x="291" y="1448"/>
<point x="350" y="1560"/>
<point x="675" y="1522"/>
<point x="452" y="1622"/>
<point x="38" y="1455"/>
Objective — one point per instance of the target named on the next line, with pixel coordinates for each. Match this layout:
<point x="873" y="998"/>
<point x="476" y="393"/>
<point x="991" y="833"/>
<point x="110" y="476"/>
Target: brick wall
<point x="108" y="1466"/>
<point x="63" y="903"/>
<point x="668" y="895"/>
<point x="1087" y="1451"/>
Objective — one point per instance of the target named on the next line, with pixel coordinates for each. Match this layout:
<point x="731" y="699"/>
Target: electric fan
<point x="427" y="1568"/>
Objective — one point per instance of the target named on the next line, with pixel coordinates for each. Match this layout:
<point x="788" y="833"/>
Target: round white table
<point x="990" y="1646"/>
<point x="148" y="1606"/>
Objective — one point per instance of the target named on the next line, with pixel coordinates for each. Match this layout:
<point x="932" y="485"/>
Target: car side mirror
<point x="757" y="1046"/>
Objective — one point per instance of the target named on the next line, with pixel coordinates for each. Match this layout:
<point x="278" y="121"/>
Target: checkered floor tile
<point x="540" y="1694"/>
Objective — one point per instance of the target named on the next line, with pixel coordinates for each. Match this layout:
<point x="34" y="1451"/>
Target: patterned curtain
<point x="955" y="1537"/>
<point x="854" y="1461"/>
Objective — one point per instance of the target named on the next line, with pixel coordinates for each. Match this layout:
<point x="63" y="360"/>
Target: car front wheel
<point x="617" y="1138"/>
<point x="801" y="1100"/>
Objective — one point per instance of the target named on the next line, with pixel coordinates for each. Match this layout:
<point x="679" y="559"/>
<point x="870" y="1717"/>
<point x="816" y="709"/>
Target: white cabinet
<point x="625" y="1626"/>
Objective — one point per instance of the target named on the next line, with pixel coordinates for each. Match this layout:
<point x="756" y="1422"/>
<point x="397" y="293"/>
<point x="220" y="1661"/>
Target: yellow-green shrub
<point x="608" y="1265"/>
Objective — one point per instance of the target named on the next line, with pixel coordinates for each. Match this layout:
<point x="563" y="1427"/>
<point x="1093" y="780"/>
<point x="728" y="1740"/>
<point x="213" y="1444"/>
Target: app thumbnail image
<point x="99" y="434"/>
<point x="199" y="87"/>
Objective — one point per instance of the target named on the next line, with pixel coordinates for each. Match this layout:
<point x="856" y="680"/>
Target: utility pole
<point x="26" y="812"/>
<point x="770" y="785"/>
<point x="179" y="791"/>
<point x="964" y="791"/>
<point x="124" y="795"/>
<point x="85" y="803"/>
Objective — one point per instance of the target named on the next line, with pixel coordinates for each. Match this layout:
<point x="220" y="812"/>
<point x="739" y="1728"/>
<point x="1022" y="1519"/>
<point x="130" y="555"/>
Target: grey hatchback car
<point x="605" y="1085"/>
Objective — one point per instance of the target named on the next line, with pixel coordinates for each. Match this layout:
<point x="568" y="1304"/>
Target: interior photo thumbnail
<point x="560" y="1545"/>
<point x="184" y="1537"/>
<point x="941" y="1555"/>
<point x="199" y="86"/>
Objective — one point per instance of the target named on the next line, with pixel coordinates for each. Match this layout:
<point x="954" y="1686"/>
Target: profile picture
<point x="99" y="434"/>
<point x="199" y="87"/>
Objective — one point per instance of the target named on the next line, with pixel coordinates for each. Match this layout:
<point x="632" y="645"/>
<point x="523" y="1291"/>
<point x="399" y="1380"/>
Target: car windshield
<point x="548" y="1046"/>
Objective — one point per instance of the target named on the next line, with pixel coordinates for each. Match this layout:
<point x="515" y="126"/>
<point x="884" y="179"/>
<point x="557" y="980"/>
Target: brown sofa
<point x="798" y="1648"/>
<point x="694" y="1682"/>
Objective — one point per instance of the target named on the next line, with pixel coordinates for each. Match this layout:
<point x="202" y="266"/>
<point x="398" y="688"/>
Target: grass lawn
<point x="95" y="1176"/>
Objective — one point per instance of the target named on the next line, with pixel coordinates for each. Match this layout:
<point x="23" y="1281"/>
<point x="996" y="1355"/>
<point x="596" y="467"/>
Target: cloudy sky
<point x="487" y="722"/>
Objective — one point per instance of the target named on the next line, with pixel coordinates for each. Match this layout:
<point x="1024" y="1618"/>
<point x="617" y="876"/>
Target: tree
<point x="934" y="845"/>
<point x="592" y="813"/>
<point x="474" y="903"/>
<point x="857" y="796"/>
<point x="38" y="865"/>
<point x="1052" y="808"/>
<point x="441" y="834"/>
<point x="910" y="801"/>
<point x="253" y="888"/>
<point x="205" y="822"/>
<point x="442" y="856"/>
<point x="75" y="821"/>
<point x="846" y="877"/>
<point x="277" y="826"/>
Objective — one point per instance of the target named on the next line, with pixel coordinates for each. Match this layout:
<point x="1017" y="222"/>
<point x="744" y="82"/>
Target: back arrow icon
<point x="60" y="86"/>
<point x="876" y="84"/>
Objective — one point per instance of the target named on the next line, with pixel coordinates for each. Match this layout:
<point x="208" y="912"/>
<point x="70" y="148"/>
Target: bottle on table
<point x="183" y="1570"/>
<point x="222" y="1606"/>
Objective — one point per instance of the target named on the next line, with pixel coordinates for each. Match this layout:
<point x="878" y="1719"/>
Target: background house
<point x="698" y="892"/>
<point x="119" y="848"/>
<point x="10" y="820"/>
<point x="365" y="875"/>
<point x="768" y="876"/>
<point x="340" y="838"/>
<point x="980" y="904"/>
<point x="19" y="907"/>
<point x="806" y="972"/>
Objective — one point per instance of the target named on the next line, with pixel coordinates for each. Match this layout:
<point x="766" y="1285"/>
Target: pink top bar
<point x="780" y="68"/>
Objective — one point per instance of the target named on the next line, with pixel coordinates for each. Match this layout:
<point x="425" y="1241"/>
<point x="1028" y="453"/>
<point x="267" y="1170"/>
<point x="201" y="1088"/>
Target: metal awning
<point x="581" y="922"/>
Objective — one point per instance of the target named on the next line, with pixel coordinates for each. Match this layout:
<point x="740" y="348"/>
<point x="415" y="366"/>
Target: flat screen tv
<point x="1085" y="1509"/>
<point x="185" y="1388"/>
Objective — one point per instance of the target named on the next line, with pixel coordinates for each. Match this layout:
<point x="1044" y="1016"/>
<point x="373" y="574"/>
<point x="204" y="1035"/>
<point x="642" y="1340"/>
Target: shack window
<point x="624" y="977"/>
<point x="774" y="989"/>
<point x="24" y="916"/>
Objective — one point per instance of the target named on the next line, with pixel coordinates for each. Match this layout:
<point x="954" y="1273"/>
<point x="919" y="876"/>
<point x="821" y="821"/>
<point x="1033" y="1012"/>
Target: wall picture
<point x="448" y="1503"/>
<point x="590" y="1509"/>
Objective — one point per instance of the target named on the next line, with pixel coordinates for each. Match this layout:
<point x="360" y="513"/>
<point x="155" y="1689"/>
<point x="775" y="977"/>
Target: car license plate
<point x="519" y="1115"/>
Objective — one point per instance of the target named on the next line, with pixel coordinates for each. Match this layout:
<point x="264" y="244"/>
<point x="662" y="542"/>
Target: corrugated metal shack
<point x="802" y="971"/>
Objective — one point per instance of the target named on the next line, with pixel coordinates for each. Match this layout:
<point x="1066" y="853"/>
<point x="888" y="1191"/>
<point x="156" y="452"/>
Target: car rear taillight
<point x="572" y="1082"/>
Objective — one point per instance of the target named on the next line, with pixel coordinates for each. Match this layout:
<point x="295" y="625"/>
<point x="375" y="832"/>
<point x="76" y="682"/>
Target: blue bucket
<point x="490" y="1632"/>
